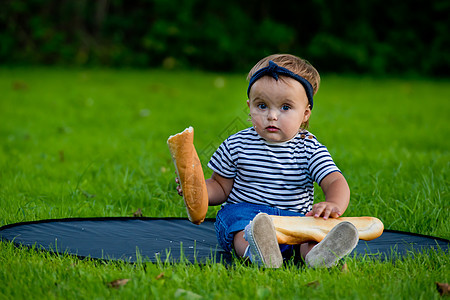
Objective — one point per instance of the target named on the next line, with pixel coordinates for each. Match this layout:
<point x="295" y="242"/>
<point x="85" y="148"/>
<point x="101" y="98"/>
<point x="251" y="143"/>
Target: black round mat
<point x="171" y="239"/>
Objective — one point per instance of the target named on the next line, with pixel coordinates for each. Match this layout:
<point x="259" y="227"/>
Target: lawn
<point x="92" y="143"/>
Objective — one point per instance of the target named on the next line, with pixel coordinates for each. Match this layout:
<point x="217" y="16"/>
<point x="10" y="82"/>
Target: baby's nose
<point x="272" y="114"/>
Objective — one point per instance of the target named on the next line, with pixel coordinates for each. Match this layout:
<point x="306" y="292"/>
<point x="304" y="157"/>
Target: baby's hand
<point x="179" y="190"/>
<point x="325" y="210"/>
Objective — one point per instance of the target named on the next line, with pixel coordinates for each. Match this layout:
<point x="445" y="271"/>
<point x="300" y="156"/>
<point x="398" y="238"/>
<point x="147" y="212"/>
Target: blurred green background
<point x="357" y="36"/>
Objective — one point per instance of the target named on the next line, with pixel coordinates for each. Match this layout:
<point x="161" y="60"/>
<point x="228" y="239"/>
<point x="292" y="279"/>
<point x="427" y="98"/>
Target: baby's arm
<point x="218" y="188"/>
<point x="337" y="197"/>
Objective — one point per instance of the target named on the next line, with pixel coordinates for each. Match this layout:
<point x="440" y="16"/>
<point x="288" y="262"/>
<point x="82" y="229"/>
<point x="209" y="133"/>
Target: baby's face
<point x="278" y="108"/>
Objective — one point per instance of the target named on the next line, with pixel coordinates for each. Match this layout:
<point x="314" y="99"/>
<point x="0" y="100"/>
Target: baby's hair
<point x="293" y="63"/>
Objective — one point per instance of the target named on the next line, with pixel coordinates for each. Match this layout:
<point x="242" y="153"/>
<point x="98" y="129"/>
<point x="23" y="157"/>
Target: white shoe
<point x="263" y="243"/>
<point x="339" y="242"/>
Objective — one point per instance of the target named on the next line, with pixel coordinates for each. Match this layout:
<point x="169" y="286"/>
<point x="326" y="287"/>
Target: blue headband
<point x="275" y="70"/>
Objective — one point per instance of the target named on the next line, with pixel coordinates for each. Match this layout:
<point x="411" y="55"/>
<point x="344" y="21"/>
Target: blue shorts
<point x="233" y="218"/>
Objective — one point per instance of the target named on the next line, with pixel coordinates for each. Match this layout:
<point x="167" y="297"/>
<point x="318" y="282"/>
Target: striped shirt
<point x="274" y="174"/>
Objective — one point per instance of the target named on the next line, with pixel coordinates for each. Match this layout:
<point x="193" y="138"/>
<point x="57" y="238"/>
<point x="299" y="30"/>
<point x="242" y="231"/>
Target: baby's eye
<point x="285" y="107"/>
<point x="262" y="106"/>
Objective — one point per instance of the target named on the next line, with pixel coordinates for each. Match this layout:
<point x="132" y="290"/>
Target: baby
<point x="270" y="169"/>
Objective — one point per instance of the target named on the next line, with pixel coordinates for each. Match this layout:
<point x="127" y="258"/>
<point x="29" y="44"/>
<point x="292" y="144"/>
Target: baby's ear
<point x="307" y="114"/>
<point x="248" y="103"/>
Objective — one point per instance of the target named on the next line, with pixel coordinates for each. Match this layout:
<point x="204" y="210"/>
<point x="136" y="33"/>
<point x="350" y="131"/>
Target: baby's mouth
<point x="272" y="129"/>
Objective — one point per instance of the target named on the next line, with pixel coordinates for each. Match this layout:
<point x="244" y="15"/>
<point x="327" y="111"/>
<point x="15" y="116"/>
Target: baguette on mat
<point x="190" y="174"/>
<point x="298" y="230"/>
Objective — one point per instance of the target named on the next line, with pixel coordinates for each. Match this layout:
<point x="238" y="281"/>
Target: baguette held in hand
<point x="190" y="174"/>
<point x="298" y="230"/>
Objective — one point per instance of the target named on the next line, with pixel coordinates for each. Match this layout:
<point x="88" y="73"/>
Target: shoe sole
<point x="264" y="238"/>
<point x="339" y="242"/>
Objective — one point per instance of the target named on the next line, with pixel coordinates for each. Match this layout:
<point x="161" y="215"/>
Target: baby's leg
<point x="306" y="247"/>
<point x="239" y="243"/>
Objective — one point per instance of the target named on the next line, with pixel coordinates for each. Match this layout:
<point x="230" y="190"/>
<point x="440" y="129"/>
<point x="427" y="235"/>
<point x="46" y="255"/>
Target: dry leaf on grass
<point x="344" y="268"/>
<point x="314" y="284"/>
<point x="138" y="213"/>
<point x="61" y="155"/>
<point x="20" y="86"/>
<point x="159" y="276"/>
<point x="443" y="288"/>
<point x="87" y="195"/>
<point x="118" y="283"/>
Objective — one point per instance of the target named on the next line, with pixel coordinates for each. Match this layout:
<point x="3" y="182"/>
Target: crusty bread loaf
<point x="298" y="230"/>
<point x="190" y="174"/>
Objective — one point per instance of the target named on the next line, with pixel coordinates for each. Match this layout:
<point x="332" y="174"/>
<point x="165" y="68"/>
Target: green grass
<point x="92" y="143"/>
